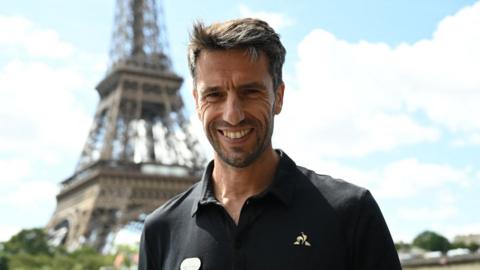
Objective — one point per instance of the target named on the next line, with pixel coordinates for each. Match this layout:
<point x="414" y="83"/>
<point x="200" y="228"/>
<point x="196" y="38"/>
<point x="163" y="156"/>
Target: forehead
<point x="233" y="64"/>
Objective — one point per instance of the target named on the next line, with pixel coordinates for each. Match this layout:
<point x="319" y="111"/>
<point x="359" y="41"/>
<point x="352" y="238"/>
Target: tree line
<point x="432" y="241"/>
<point x="29" y="249"/>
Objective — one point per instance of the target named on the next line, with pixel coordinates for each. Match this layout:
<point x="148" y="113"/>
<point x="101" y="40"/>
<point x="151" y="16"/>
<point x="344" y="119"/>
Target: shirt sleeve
<point x="145" y="260"/>
<point x="374" y="248"/>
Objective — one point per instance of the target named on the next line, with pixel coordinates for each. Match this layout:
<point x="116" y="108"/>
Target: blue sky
<point x="383" y="94"/>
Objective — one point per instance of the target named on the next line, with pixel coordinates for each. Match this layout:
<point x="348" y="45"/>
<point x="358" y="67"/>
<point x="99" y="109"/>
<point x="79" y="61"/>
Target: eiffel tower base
<point x="97" y="202"/>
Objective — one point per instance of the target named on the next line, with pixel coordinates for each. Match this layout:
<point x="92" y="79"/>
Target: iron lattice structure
<point x="139" y="35"/>
<point x="140" y="150"/>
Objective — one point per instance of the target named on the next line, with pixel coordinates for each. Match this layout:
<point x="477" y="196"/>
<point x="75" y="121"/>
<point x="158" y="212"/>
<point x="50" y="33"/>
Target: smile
<point x="235" y="134"/>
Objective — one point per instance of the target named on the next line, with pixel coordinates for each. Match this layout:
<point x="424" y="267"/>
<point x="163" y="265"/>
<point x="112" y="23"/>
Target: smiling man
<point x="254" y="208"/>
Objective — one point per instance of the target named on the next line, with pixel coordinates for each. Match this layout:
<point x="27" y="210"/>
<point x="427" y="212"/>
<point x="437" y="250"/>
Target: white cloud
<point x="467" y="140"/>
<point x="408" y="177"/>
<point x="441" y="206"/>
<point x="46" y="99"/>
<point x="458" y="143"/>
<point x="359" y="98"/>
<point x="405" y="178"/>
<point x="20" y="33"/>
<point x="475" y="138"/>
<point x="32" y="196"/>
<point x="7" y="231"/>
<point x="41" y="116"/>
<point x="43" y="109"/>
<point x="456" y="230"/>
<point x="13" y="171"/>
<point x="428" y="215"/>
<point x="275" y="20"/>
<point x="412" y="221"/>
<point x="436" y="209"/>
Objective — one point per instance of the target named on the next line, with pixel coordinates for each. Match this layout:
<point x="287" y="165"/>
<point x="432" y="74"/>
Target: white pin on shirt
<point x="191" y="264"/>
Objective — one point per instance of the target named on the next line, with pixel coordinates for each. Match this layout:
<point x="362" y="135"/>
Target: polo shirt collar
<point x="283" y="182"/>
<point x="203" y="192"/>
<point x="282" y="186"/>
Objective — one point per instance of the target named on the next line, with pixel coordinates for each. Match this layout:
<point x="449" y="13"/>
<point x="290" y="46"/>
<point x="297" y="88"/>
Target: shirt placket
<point x="239" y="239"/>
<point x="242" y="239"/>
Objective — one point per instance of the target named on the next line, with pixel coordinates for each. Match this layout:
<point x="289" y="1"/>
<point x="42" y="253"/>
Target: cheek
<point x="265" y="105"/>
<point x="261" y="110"/>
<point x="203" y="112"/>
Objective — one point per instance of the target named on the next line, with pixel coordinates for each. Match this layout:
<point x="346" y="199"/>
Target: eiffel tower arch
<point x="140" y="150"/>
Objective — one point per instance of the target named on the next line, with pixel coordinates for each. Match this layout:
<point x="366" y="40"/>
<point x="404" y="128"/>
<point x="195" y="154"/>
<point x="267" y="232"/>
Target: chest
<point x="265" y="238"/>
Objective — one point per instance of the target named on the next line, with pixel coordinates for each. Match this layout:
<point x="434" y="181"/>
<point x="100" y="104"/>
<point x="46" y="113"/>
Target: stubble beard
<point x="245" y="159"/>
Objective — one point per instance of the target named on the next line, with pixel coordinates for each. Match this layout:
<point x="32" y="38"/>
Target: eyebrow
<point x="253" y="85"/>
<point x="210" y="89"/>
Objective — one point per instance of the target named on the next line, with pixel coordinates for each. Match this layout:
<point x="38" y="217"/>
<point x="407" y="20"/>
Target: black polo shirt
<point x="302" y="221"/>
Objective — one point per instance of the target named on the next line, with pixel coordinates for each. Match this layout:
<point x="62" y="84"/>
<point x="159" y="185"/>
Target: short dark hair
<point x="254" y="35"/>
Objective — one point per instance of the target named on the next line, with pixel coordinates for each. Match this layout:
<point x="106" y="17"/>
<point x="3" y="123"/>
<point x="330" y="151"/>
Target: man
<point x="255" y="208"/>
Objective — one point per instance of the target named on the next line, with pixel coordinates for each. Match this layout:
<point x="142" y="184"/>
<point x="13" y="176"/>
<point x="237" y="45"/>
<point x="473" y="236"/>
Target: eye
<point x="251" y="91"/>
<point x="212" y="96"/>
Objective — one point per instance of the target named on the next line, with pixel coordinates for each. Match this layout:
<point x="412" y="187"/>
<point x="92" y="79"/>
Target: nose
<point x="233" y="110"/>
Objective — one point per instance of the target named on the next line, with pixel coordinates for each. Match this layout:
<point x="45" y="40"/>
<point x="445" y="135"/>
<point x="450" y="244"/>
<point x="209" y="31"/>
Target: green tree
<point x="25" y="261"/>
<point x="90" y="258"/>
<point x="3" y="261"/>
<point x="471" y="246"/>
<point x="402" y="246"/>
<point x="431" y="241"/>
<point x="31" y="241"/>
<point x="29" y="249"/>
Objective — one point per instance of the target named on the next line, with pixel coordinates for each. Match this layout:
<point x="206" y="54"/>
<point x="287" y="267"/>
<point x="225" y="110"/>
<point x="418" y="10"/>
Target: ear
<point x="279" y="98"/>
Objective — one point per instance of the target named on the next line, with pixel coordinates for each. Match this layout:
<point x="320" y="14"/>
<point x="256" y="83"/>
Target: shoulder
<point x="341" y="195"/>
<point x="353" y="206"/>
<point x="163" y="224"/>
<point x="174" y="209"/>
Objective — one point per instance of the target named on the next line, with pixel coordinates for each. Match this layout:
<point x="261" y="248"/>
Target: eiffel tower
<point x="140" y="150"/>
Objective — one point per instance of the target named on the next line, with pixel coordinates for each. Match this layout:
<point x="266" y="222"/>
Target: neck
<point x="247" y="181"/>
<point x="232" y="186"/>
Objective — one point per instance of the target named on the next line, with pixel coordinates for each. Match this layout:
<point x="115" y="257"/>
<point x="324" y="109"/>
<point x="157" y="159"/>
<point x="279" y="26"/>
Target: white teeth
<point x="235" y="134"/>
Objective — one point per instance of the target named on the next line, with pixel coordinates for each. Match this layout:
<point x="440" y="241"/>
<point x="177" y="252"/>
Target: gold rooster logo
<point x="302" y="240"/>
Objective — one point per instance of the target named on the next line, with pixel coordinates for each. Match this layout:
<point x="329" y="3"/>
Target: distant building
<point x="468" y="239"/>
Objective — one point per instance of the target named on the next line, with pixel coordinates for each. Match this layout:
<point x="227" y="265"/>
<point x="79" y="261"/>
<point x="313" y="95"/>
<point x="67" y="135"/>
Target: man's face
<point x="236" y="103"/>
